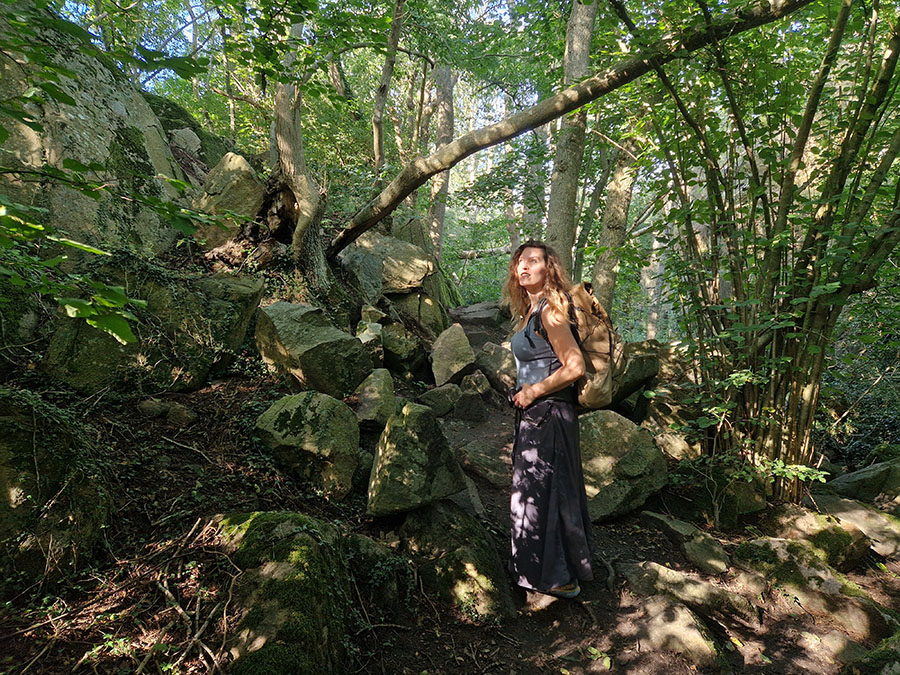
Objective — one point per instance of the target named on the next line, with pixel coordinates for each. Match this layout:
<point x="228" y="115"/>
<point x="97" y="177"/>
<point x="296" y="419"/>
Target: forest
<point x="254" y="360"/>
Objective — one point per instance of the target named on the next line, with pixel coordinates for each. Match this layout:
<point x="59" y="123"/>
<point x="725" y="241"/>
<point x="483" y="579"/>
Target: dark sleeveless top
<point x="535" y="358"/>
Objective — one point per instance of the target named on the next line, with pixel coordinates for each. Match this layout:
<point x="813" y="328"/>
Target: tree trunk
<point x="561" y="216"/>
<point x="615" y="219"/>
<point x="291" y="172"/>
<point x="387" y="73"/>
<point x="534" y="198"/>
<point x="421" y="169"/>
<point x="440" y="184"/>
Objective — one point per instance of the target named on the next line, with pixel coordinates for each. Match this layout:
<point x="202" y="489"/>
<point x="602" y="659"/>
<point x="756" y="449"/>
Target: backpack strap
<point x="539" y="320"/>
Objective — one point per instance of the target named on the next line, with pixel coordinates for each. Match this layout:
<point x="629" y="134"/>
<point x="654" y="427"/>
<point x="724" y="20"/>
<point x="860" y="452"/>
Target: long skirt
<point x="551" y="529"/>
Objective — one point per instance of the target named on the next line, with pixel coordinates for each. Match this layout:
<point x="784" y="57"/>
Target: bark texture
<point x="561" y="208"/>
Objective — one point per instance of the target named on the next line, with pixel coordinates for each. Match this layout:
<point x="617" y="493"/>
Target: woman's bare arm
<point x="567" y="351"/>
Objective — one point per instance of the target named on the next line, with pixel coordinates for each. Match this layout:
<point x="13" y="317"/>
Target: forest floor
<point x="152" y="600"/>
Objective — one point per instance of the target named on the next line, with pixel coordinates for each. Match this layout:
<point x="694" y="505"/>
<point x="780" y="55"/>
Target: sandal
<point x="570" y="590"/>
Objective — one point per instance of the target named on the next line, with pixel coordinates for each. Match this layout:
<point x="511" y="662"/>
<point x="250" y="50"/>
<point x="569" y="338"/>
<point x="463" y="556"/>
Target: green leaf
<point x="77" y="308"/>
<point x="77" y="244"/>
<point x="115" y="325"/>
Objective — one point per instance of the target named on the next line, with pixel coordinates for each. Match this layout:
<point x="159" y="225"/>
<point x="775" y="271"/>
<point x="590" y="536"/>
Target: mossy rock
<point x="189" y="328"/>
<point x="172" y="116"/>
<point x="294" y="595"/>
<point x="315" y="437"/>
<point x="458" y="561"/>
<point x="800" y="569"/>
<point x="883" y="660"/>
<point x="55" y="501"/>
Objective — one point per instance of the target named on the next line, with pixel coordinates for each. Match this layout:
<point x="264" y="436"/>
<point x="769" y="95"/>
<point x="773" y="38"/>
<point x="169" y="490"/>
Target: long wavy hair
<point x="556" y="286"/>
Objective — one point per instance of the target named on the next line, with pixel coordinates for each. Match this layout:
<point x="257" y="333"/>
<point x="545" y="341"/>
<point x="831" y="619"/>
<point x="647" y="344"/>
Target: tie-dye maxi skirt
<point x="551" y="529"/>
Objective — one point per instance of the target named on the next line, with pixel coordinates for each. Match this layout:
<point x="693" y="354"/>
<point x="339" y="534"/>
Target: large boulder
<point x="878" y="483"/>
<point x="414" y="465"/>
<point x="715" y="602"/>
<point x="293" y="597"/>
<point x="108" y="123"/>
<point x="459" y="561"/>
<point x="315" y="437"/>
<point x="622" y="465"/>
<point x="442" y="400"/>
<point x="669" y="625"/>
<point x="404" y="351"/>
<point x="232" y="186"/>
<point x="475" y="393"/>
<point x="698" y="546"/>
<point x="189" y="329"/>
<point x="298" y="339"/>
<point x="421" y="308"/>
<point x="375" y="399"/>
<point x="382" y="576"/>
<point x="844" y="544"/>
<point x="882" y="528"/>
<point x="499" y="365"/>
<point x="452" y="357"/>
<point x="54" y="503"/>
<point x="800" y="569"/>
<point x="641" y="367"/>
<point x="176" y="121"/>
<point x="386" y="265"/>
<point x="484" y="460"/>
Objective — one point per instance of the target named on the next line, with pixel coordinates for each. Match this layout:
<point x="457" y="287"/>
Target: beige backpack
<point x="603" y="350"/>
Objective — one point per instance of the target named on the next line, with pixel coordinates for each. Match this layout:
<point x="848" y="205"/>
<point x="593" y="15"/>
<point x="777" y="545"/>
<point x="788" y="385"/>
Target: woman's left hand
<point x="524" y="397"/>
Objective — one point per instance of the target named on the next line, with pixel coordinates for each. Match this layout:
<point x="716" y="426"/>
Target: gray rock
<point x="315" y="437"/>
<point x="883" y="660"/>
<point x="878" y="484"/>
<point x="231" y="186"/>
<point x="422" y="309"/>
<point x="670" y="626"/>
<point x="180" y="415"/>
<point x="387" y="265"/>
<point x="371" y="335"/>
<point x="622" y="466"/>
<point x="441" y="399"/>
<point x="844" y="544"/>
<point x="475" y="392"/>
<point x="403" y="351"/>
<point x="499" y="365"/>
<point x="836" y="645"/>
<point x="649" y="578"/>
<point x="54" y="505"/>
<point x="699" y="547"/>
<point x="413" y="464"/>
<point x="190" y="328"/>
<point x="676" y="446"/>
<point x="376" y="399"/>
<point x="110" y="124"/>
<point x="371" y="314"/>
<point x="152" y="407"/>
<point x="451" y="356"/>
<point x="469" y="499"/>
<point x="490" y="314"/>
<point x="457" y="559"/>
<point x="292" y="597"/>
<point x="798" y="568"/>
<point x="883" y="529"/>
<point x="641" y="367"/>
<point x="299" y="340"/>
<point x="185" y="139"/>
<point x="483" y="460"/>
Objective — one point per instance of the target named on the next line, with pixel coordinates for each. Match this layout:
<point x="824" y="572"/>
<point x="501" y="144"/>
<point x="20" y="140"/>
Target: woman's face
<point x="531" y="270"/>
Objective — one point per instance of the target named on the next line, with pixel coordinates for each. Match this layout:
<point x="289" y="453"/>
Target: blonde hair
<point x="556" y="286"/>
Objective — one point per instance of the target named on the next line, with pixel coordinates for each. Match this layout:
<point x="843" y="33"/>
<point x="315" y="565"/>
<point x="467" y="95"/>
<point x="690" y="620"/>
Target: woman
<point x="551" y="529"/>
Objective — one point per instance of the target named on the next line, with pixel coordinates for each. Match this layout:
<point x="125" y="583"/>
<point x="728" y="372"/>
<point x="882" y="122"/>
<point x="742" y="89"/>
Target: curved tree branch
<point x="670" y="48"/>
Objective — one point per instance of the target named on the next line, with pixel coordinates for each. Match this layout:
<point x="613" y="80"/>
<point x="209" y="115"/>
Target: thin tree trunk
<point x="590" y="215"/>
<point x="387" y="73"/>
<point x="615" y="220"/>
<point x="291" y="172"/>
<point x="561" y="216"/>
<point x="440" y="184"/>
